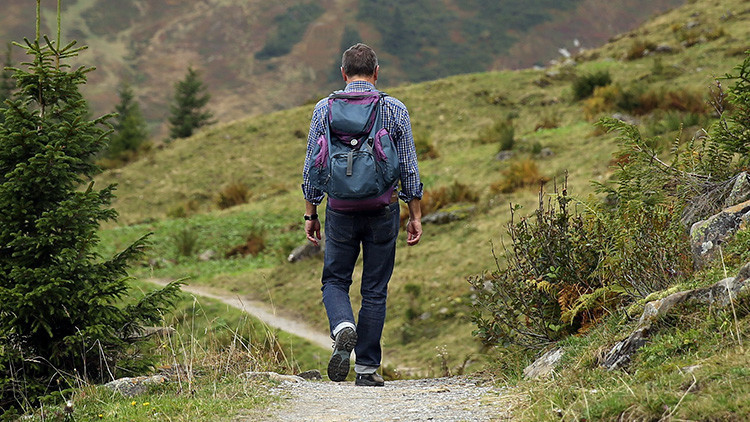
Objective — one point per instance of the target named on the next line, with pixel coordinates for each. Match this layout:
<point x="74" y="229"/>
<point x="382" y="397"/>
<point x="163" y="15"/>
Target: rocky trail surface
<point x="451" y="399"/>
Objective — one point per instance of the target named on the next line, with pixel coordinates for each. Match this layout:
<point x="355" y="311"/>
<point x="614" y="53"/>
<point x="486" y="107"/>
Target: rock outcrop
<point x="720" y="294"/>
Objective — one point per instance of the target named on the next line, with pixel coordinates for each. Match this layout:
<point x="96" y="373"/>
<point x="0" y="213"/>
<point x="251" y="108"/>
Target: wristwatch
<point x="311" y="217"/>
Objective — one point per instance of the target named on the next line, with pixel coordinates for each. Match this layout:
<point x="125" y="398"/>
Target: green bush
<point x="583" y="86"/>
<point x="501" y="132"/>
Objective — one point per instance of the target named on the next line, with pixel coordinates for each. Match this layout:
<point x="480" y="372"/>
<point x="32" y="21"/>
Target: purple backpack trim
<point x="361" y="205"/>
<point x="322" y="159"/>
<point x="378" y="145"/>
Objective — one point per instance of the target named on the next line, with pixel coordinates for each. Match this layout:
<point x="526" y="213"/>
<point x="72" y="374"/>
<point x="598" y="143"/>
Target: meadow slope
<point x="428" y="327"/>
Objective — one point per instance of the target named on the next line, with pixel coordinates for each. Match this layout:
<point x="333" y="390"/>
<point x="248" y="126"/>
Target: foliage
<point x="7" y="85"/>
<point x="187" y="112"/>
<point x="638" y="49"/>
<point x="290" y="27"/>
<point x="521" y="173"/>
<point x="437" y="198"/>
<point x="60" y="321"/>
<point x="232" y="195"/>
<point x="584" y="85"/>
<point x="129" y="128"/>
<point x="501" y="132"/>
<point x="425" y="149"/>
<point x="551" y="264"/>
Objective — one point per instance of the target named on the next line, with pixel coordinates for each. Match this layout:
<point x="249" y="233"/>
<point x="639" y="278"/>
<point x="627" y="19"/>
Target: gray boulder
<point x="706" y="236"/>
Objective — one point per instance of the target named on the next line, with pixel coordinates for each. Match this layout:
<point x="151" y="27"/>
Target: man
<point x="374" y="230"/>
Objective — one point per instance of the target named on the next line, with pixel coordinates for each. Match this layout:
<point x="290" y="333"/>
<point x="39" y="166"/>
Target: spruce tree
<point x="187" y="112"/>
<point x="61" y="315"/>
<point x="7" y="85"/>
<point x="129" y="127"/>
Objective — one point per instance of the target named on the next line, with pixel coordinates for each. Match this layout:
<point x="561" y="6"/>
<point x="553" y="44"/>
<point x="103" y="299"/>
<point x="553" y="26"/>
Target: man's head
<point x="359" y="62"/>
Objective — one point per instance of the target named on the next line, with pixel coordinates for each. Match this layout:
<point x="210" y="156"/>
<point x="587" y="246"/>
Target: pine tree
<point x="187" y="112"/>
<point x="129" y="127"/>
<point x="60" y="315"/>
<point x="7" y="85"/>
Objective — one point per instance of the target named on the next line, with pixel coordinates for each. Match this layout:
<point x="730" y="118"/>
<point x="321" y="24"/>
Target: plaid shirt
<point x="395" y="119"/>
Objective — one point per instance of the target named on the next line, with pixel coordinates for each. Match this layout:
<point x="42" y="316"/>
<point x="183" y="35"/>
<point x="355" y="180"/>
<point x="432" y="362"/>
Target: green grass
<point x="266" y="152"/>
<point x="219" y="343"/>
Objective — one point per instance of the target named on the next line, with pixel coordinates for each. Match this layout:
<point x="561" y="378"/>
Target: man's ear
<point x="375" y="75"/>
<point x="343" y="75"/>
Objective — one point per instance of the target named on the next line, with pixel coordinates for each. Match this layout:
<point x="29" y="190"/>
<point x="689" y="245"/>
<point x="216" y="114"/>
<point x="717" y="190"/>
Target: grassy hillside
<point x="428" y="329"/>
<point x="249" y="51"/>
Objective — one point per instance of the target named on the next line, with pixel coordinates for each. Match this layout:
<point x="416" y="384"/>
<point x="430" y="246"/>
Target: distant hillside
<point x="250" y="52"/>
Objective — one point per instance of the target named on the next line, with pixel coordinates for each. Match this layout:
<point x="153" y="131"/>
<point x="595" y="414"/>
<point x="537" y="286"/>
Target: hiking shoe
<point x="369" y="380"/>
<point x="338" y="366"/>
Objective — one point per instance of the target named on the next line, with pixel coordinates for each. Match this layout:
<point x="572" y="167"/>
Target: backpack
<point x="356" y="162"/>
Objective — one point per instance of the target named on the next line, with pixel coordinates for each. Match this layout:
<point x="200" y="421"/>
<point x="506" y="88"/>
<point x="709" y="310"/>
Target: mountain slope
<point x="428" y="327"/>
<point x="250" y="52"/>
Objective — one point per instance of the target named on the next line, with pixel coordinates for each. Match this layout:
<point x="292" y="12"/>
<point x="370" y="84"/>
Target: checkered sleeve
<point x="411" y="185"/>
<point x="314" y="196"/>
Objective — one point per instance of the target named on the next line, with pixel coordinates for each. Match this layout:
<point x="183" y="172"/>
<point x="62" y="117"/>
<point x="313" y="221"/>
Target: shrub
<point x="583" y="86"/>
<point x="550" y="265"/>
<point x="501" y="132"/>
<point x="232" y="195"/>
<point x="186" y="242"/>
<point x="520" y="174"/>
<point x="254" y="244"/>
<point x="638" y="49"/>
<point x="425" y="149"/>
<point x="604" y="99"/>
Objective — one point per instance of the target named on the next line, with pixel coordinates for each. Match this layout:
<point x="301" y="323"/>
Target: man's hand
<point x="414" y="226"/>
<point x="413" y="232"/>
<point x="312" y="230"/>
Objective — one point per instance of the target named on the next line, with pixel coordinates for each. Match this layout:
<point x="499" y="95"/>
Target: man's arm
<point x="414" y="226"/>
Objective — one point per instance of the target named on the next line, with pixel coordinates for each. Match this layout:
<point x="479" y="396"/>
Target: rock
<point x="308" y="250"/>
<point x="626" y="118"/>
<point x="546" y="153"/>
<point x="272" y="376"/>
<point x="740" y="190"/>
<point x="448" y="216"/>
<point x="545" y="365"/>
<point x="130" y="387"/>
<point x="504" y="155"/>
<point x="706" y="236"/>
<point x="312" y="374"/>
<point x="207" y="255"/>
<point x="720" y="294"/>
<point x="663" y="48"/>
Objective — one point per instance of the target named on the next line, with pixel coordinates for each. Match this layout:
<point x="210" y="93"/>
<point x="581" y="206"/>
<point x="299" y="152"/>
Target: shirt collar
<point x="359" y="86"/>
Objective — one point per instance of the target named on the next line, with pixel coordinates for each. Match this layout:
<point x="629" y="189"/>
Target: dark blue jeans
<point x="376" y="233"/>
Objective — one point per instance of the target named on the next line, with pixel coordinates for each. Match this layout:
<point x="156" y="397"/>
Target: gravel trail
<point x="433" y="399"/>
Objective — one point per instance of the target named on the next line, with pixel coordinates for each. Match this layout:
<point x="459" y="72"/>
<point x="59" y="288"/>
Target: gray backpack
<point x="356" y="162"/>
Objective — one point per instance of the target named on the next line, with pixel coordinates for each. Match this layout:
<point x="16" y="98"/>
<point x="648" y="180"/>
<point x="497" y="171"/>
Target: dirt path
<point x="260" y="310"/>
<point x="434" y="399"/>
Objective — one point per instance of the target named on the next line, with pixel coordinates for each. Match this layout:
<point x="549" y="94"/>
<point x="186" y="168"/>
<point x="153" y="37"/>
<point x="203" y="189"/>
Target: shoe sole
<point x="368" y="383"/>
<point x="338" y="366"/>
